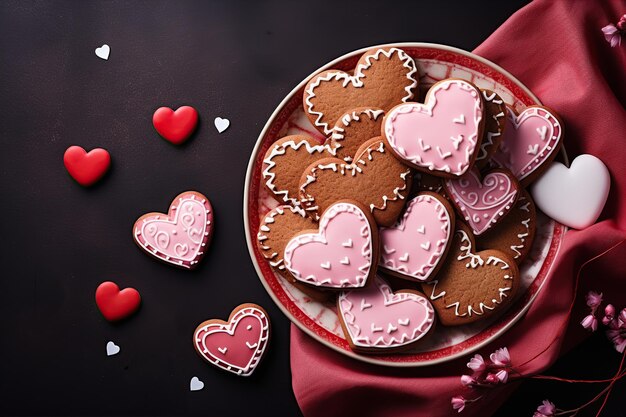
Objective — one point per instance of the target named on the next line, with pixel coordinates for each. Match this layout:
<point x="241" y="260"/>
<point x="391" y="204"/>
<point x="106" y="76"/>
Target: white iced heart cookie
<point x="574" y="196"/>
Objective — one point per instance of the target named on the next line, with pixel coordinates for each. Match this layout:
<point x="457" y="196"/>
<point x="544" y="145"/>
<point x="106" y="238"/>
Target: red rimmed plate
<point x="319" y="320"/>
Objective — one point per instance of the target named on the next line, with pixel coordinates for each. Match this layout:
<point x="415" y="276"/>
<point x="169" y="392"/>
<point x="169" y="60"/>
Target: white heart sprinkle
<point x="221" y="124"/>
<point x="103" y="52"/>
<point x="112" y="349"/>
<point x="195" y="384"/>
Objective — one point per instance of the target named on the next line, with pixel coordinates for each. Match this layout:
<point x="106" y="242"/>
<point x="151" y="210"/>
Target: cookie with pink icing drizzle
<point x="472" y="285"/>
<point x="441" y="136"/>
<point x="377" y="320"/>
<point x="342" y="253"/>
<point x="483" y="201"/>
<point x="181" y="237"/>
<point x="382" y="78"/>
<point x="236" y="345"/>
<point x="531" y="141"/>
<point x="416" y="245"/>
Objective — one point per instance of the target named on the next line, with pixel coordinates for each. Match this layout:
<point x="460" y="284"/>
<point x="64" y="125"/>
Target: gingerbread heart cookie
<point x="531" y="141"/>
<point x="277" y="227"/>
<point x="375" y="179"/>
<point x="341" y="253"/>
<point x="513" y="235"/>
<point x="472" y="285"/>
<point x="495" y="122"/>
<point x="483" y="201"/>
<point x="353" y="129"/>
<point x="284" y="162"/>
<point x="416" y="245"/>
<point x="181" y="237"/>
<point x="382" y="78"/>
<point x="236" y="345"/>
<point x="377" y="320"/>
<point x="441" y="136"/>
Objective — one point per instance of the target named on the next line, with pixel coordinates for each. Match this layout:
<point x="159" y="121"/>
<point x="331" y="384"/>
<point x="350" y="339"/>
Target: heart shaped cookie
<point x="343" y="253"/>
<point x="180" y="237"/>
<point x="495" y="123"/>
<point x="513" y="235"/>
<point x="86" y="167"/>
<point x="115" y="304"/>
<point x="472" y="286"/>
<point x="441" y="136"/>
<point x="377" y="320"/>
<point x="483" y="201"/>
<point x="284" y="162"/>
<point x="531" y="141"/>
<point x="353" y="129"/>
<point x="175" y="126"/>
<point x="574" y="196"/>
<point x="237" y="345"/>
<point x="414" y="247"/>
<point x="382" y="78"/>
<point x="375" y="179"/>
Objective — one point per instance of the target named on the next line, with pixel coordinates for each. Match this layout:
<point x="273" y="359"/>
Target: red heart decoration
<point x="175" y="126"/>
<point x="86" y="167"/>
<point x="238" y="345"/>
<point x="115" y="304"/>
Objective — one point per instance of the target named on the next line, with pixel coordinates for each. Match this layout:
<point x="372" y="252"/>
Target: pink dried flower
<point x="594" y="299"/>
<point x="477" y="363"/>
<point x="492" y="378"/>
<point x="609" y="314"/>
<point x="458" y="403"/>
<point x="546" y="409"/>
<point x="590" y="322"/>
<point x="612" y="35"/>
<point x="468" y="380"/>
<point x="503" y="375"/>
<point x="621" y="25"/>
<point x="622" y="317"/>
<point x="501" y="357"/>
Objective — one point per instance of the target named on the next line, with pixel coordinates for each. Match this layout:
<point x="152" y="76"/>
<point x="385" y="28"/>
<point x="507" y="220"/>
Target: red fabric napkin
<point x="557" y="49"/>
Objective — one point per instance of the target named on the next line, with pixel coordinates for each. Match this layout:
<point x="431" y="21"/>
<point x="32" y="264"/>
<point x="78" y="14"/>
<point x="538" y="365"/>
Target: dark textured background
<point x="59" y="241"/>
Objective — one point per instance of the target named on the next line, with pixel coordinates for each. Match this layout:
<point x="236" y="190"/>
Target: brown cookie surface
<point x="495" y="122"/>
<point x="284" y="162"/>
<point x="471" y="285"/>
<point x="515" y="234"/>
<point x="354" y="128"/>
<point x="376" y="179"/>
<point x="382" y="78"/>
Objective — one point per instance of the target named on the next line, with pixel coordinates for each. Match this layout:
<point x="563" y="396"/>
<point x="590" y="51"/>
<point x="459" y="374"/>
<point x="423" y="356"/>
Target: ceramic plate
<point x="319" y="320"/>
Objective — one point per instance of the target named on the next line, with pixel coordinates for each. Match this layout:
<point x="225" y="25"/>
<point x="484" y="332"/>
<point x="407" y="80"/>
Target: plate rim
<point x="250" y="244"/>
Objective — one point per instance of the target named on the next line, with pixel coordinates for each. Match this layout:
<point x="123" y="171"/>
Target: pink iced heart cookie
<point x="531" y="141"/>
<point x="442" y="135"/>
<point x="414" y="247"/>
<point x="376" y="319"/>
<point x="180" y="237"/>
<point x="237" y="345"/>
<point x="343" y="254"/>
<point x="483" y="202"/>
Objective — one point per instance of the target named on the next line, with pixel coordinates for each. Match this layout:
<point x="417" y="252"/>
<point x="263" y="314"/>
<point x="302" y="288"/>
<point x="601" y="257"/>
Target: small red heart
<point x="86" y="167"/>
<point x="175" y="126"/>
<point x="115" y="304"/>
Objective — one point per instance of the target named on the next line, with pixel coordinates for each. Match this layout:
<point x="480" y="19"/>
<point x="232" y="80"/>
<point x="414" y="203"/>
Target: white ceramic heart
<point x="112" y="349"/>
<point x="195" y="384"/>
<point x="221" y="124"/>
<point x="574" y="196"/>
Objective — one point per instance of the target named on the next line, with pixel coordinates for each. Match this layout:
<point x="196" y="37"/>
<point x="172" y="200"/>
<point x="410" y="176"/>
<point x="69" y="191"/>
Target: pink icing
<point x="442" y="133"/>
<point x="375" y="317"/>
<point x="236" y="346"/>
<point x="483" y="203"/>
<point x="180" y="237"/>
<point x="415" y="245"/>
<point x="339" y="256"/>
<point x="529" y="140"/>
